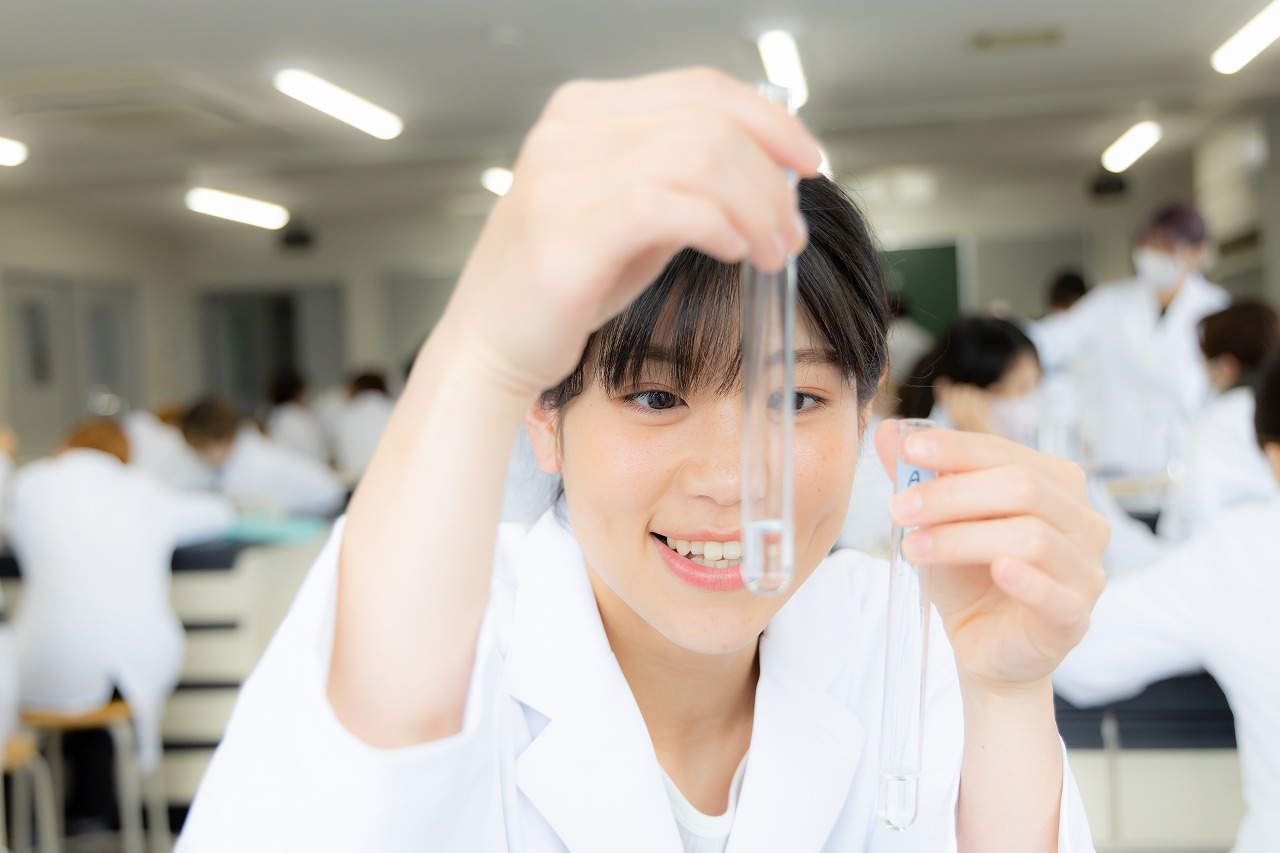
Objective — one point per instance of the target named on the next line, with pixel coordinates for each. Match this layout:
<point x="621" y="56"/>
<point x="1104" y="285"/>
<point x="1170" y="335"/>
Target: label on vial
<point x="912" y="475"/>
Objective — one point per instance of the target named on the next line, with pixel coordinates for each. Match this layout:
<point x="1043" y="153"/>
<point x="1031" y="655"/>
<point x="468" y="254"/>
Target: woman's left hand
<point x="1014" y="546"/>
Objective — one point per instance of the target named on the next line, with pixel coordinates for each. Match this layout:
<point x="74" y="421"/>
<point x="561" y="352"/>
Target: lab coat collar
<point x="592" y="771"/>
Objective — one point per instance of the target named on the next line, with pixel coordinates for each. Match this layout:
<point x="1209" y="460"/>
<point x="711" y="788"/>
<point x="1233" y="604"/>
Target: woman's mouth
<point x="708" y="564"/>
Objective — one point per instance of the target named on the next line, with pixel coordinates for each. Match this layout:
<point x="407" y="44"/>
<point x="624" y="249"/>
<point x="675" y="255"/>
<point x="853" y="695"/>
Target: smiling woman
<point x="603" y="681"/>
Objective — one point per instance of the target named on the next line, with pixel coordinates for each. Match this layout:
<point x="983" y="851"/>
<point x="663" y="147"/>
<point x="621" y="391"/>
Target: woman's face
<point x="1022" y="377"/>
<point x="648" y="463"/>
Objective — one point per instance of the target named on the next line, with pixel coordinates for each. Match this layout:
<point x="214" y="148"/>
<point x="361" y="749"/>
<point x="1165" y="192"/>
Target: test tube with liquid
<point x="906" y="656"/>
<point x="768" y="361"/>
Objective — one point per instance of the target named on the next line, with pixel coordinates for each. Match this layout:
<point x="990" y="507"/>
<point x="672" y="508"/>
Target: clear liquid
<point x="899" y="793"/>
<point x="764" y="567"/>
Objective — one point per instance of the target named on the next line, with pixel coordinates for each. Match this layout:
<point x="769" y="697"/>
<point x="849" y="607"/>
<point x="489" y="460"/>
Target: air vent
<point x="1017" y="39"/>
<point x="128" y="104"/>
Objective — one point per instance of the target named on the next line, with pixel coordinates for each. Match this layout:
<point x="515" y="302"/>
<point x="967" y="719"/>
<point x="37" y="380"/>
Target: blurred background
<point x="971" y="133"/>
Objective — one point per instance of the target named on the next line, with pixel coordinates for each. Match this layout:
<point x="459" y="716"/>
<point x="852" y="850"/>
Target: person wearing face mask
<point x="979" y="377"/>
<point x="1223" y="466"/>
<point x="1134" y="346"/>
<point x="984" y="376"/>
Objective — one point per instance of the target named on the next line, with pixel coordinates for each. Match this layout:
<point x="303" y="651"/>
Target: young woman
<point x="978" y="377"/>
<point x="592" y="683"/>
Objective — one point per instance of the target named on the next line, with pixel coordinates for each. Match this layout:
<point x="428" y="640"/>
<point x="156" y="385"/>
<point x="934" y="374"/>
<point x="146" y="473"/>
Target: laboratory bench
<point x="230" y="595"/>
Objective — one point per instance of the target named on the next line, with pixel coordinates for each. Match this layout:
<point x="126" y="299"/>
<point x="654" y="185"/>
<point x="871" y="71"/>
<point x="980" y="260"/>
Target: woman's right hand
<point x="613" y="180"/>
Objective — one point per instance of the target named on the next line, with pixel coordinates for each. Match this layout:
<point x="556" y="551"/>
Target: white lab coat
<point x="160" y="449"/>
<point x="1143" y="382"/>
<point x="554" y="754"/>
<point x="1223" y="467"/>
<point x="358" y="427"/>
<point x="296" y="427"/>
<point x="262" y="473"/>
<point x="1209" y="604"/>
<point x="94" y="539"/>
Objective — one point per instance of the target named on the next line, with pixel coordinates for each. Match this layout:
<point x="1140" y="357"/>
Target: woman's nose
<point x="714" y="466"/>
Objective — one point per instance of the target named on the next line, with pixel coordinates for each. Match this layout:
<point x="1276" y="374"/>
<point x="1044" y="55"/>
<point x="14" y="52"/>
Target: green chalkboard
<point x="929" y="282"/>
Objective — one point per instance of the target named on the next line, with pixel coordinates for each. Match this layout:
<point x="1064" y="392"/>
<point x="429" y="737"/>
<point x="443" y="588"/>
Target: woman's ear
<point x="541" y="425"/>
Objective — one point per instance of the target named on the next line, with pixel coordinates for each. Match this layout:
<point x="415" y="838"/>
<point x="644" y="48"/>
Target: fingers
<point x="704" y="90"/>
<point x="1003" y="491"/>
<point x="1051" y="603"/>
<point x="951" y="451"/>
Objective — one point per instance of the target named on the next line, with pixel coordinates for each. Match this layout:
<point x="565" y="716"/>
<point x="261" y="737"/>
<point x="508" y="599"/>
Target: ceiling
<point x="126" y="103"/>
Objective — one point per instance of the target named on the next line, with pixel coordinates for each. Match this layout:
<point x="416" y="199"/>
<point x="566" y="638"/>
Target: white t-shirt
<point x="701" y="832"/>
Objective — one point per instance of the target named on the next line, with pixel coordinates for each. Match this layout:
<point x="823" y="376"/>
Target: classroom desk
<point x="1158" y="771"/>
<point x="230" y="594"/>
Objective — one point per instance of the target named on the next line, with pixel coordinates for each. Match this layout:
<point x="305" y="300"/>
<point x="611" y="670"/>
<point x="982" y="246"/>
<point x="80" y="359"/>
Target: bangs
<point x="685" y="328"/>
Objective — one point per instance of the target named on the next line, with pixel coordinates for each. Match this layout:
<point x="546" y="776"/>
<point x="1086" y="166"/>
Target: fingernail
<point x="907" y="505"/>
<point x="918" y="545"/>
<point x="921" y="448"/>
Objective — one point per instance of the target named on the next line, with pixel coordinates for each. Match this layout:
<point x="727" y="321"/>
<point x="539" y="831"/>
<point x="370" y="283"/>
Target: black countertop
<point x="204" y="556"/>
<point x="1190" y="712"/>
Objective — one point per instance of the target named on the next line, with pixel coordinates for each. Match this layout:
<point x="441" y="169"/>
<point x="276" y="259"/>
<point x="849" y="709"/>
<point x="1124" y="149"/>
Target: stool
<point x="116" y="718"/>
<point x="23" y="761"/>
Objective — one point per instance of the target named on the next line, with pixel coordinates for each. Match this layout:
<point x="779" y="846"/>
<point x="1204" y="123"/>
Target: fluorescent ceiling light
<point x="237" y="208"/>
<point x="1253" y="38"/>
<point x="497" y="181"/>
<point x="782" y="66"/>
<point x="1135" y="142"/>
<point x="12" y="152"/>
<point x="339" y="103"/>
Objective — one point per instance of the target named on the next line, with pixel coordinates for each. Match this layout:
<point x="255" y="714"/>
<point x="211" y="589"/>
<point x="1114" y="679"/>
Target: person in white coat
<point x="1223" y="466"/>
<point x="596" y="683"/>
<point x="94" y="538"/>
<point x="1134" y="347"/>
<point x="157" y="447"/>
<point x="1207" y="605"/>
<point x="292" y="423"/>
<point x="360" y="424"/>
<point x="255" y="471"/>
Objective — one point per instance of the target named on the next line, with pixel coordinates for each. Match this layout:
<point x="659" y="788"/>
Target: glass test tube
<point x="768" y="361"/>
<point x="906" y="656"/>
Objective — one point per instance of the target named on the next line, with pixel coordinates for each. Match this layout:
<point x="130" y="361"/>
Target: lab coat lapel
<point x="591" y="772"/>
<point x="805" y="745"/>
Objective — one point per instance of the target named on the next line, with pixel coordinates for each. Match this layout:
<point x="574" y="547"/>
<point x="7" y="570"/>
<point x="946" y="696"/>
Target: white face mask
<point x="1158" y="270"/>
<point x="1014" y="418"/>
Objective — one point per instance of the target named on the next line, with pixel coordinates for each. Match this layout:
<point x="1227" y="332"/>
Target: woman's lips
<point x="714" y="579"/>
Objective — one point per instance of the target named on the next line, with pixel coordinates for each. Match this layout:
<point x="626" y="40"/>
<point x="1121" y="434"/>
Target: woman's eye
<point x="654" y="400"/>
<point x="803" y="402"/>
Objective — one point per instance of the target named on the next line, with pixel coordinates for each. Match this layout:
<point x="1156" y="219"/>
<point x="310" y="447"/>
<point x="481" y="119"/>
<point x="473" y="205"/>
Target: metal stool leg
<point x="21" y="810"/>
<point x="127" y="787"/>
<point x="157" y="812"/>
<point x="58" y="770"/>
<point x="47" y="822"/>
<point x="4" y="832"/>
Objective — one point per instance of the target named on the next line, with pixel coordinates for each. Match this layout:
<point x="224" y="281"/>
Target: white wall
<point x="360" y="255"/>
<point x="969" y="209"/>
<point x="39" y="240"/>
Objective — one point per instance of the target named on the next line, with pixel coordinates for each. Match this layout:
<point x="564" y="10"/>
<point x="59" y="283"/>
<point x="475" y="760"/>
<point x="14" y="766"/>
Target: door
<point x="43" y="386"/>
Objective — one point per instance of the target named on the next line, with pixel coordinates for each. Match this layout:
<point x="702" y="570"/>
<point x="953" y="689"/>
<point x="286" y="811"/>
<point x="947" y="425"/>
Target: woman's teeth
<point x="711" y="555"/>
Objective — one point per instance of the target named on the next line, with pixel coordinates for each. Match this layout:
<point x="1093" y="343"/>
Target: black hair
<point x="1066" y="289"/>
<point x="287" y="387"/>
<point x="1247" y="331"/>
<point x="210" y="421"/>
<point x="975" y="351"/>
<point x="370" y="380"/>
<point x="1266" y="393"/>
<point x="693" y="308"/>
